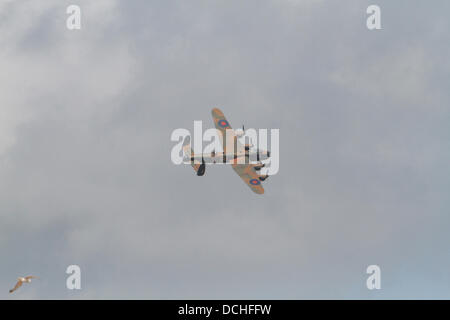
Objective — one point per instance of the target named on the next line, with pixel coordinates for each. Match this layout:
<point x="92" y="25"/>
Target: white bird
<point x="20" y="281"/>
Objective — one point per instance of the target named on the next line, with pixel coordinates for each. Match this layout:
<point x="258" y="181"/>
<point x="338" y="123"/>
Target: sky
<point x="86" y="177"/>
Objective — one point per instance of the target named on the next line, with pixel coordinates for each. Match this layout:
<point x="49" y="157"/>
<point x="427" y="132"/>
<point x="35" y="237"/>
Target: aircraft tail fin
<point x="199" y="167"/>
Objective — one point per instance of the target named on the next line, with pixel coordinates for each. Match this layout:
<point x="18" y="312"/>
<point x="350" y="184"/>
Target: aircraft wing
<point x="249" y="176"/>
<point x="222" y="125"/>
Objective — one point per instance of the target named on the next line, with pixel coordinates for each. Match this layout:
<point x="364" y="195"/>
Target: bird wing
<point x="17" y="286"/>
<point x="31" y="277"/>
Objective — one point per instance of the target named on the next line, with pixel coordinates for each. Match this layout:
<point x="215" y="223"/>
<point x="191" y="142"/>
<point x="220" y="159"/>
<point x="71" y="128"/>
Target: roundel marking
<point x="223" y="123"/>
<point x="254" y="182"/>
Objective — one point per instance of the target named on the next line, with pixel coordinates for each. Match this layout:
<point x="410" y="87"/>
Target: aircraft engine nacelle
<point x="258" y="167"/>
<point x="239" y="132"/>
<point x="263" y="177"/>
<point x="262" y="155"/>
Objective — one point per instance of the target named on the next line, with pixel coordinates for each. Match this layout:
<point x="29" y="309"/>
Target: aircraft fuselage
<point x="231" y="157"/>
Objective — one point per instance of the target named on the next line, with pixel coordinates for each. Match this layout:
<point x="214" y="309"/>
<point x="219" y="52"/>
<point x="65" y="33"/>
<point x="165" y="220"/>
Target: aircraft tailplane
<point x="199" y="167"/>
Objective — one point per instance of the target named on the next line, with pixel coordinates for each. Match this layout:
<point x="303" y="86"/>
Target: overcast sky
<point x="85" y="170"/>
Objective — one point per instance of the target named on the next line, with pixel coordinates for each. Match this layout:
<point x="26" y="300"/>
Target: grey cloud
<point x="86" y="177"/>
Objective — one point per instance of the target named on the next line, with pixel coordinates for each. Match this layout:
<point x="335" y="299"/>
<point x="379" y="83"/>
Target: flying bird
<point x="20" y="281"/>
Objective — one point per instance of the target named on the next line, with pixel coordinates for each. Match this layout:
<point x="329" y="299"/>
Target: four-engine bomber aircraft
<point x="233" y="153"/>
